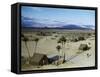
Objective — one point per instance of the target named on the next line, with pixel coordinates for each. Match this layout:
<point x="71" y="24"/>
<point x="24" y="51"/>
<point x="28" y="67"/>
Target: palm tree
<point x="25" y="39"/>
<point x="36" y="41"/>
<point x="58" y="49"/>
<point x="64" y="58"/>
<point x="62" y="40"/>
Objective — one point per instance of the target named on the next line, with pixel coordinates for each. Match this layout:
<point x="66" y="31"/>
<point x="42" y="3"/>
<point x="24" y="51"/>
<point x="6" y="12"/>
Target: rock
<point x="84" y="47"/>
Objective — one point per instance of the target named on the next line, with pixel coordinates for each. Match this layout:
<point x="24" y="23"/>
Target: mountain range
<point x="36" y="23"/>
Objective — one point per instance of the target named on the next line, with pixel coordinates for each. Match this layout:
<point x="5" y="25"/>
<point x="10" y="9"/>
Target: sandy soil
<point x="47" y="45"/>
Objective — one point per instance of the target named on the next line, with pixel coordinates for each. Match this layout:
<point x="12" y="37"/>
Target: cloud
<point x="36" y="9"/>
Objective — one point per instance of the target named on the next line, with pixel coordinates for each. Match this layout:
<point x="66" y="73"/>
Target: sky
<point x="59" y="15"/>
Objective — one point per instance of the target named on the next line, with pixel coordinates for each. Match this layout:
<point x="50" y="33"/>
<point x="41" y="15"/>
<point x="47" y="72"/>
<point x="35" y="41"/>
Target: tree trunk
<point x="27" y="50"/>
<point x="59" y="53"/>
<point x="35" y="48"/>
<point x="64" y="57"/>
<point x="62" y="49"/>
<point x="64" y="54"/>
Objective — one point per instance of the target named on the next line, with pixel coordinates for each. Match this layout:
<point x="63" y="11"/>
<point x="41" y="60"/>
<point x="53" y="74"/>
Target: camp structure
<point x="39" y="59"/>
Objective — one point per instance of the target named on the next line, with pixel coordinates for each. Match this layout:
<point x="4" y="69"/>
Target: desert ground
<point x="48" y="42"/>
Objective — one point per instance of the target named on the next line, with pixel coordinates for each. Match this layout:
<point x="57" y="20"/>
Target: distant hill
<point x="32" y="23"/>
<point x="68" y="27"/>
<point x="72" y="26"/>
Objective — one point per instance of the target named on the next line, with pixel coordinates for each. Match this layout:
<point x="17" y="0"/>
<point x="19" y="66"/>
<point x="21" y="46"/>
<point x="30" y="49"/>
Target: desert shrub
<point x="48" y="33"/>
<point x="31" y="36"/>
<point x="59" y="41"/>
<point x="81" y="38"/>
<point x="89" y="34"/>
<point x="94" y="33"/>
<point x="44" y="34"/>
<point x="56" y="35"/>
<point x="74" y="40"/>
<point x="84" y="47"/>
<point x="23" y="60"/>
<point x="89" y="43"/>
<point x="53" y="38"/>
<point x="53" y="32"/>
<point x="62" y="40"/>
<point x="41" y="34"/>
<point x="78" y="52"/>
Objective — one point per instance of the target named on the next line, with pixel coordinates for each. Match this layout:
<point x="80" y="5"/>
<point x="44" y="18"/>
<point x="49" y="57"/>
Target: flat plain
<point x="48" y="40"/>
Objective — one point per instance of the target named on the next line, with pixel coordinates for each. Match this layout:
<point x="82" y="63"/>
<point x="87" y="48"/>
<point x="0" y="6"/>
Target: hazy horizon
<point x="56" y="17"/>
